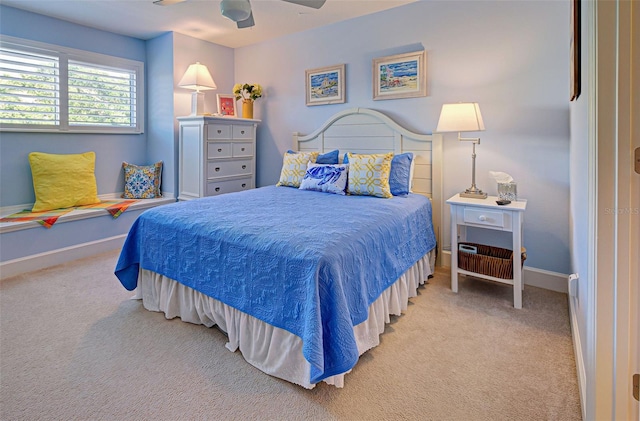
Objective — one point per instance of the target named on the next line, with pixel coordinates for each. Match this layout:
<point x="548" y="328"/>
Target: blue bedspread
<point x="304" y="261"/>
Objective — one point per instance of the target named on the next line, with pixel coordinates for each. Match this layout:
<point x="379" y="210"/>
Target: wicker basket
<point x="488" y="260"/>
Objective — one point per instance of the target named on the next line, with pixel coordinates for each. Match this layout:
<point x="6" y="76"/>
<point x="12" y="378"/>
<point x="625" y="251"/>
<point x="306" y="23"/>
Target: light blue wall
<point x="581" y="154"/>
<point x="168" y="57"/>
<point x="219" y="61"/>
<point x="511" y="57"/>
<point x="161" y="144"/>
<point x="15" y="174"/>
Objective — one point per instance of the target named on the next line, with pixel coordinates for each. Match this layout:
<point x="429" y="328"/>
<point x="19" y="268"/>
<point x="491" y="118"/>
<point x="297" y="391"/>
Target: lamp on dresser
<point x="197" y="78"/>
<point x="464" y="117"/>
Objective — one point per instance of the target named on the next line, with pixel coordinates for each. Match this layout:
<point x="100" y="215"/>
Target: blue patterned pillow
<point x="326" y="178"/>
<point x="142" y="182"/>
<point x="400" y="175"/>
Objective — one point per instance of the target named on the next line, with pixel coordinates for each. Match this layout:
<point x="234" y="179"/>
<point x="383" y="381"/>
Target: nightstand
<point x="485" y="213"/>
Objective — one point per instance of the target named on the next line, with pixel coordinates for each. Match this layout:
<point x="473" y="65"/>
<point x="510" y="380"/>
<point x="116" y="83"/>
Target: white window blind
<point x="29" y="88"/>
<point x="101" y="96"/>
<point x="50" y="88"/>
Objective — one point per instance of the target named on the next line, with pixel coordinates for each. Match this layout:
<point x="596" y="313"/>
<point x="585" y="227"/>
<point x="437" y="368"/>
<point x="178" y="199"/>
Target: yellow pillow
<point x="369" y="174"/>
<point x="63" y="181"/>
<point x="294" y="167"/>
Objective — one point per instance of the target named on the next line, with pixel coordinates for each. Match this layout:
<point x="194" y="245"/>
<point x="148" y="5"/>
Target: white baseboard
<point x="540" y="278"/>
<point x="577" y="350"/>
<point x="55" y="257"/>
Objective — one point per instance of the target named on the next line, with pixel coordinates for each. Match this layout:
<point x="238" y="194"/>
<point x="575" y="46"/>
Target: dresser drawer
<point x="219" y="150"/>
<point x="215" y="188"/>
<point x="219" y="131"/>
<point x="242" y="149"/>
<point x="242" y="132"/>
<point x="478" y="216"/>
<point x="228" y="168"/>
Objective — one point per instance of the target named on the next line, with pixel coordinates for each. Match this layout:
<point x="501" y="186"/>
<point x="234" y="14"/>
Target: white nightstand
<point x="485" y="213"/>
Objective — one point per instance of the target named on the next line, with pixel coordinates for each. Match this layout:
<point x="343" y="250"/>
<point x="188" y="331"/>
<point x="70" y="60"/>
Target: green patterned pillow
<point x="294" y="166"/>
<point x="369" y="174"/>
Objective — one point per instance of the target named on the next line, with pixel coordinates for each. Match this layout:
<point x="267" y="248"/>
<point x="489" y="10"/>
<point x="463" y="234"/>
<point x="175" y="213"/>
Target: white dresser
<point x="217" y="156"/>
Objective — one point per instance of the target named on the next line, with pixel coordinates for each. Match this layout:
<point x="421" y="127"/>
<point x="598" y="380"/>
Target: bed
<point x="302" y="282"/>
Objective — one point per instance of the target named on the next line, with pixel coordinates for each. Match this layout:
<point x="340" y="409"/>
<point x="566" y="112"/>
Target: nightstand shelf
<point x="486" y="214"/>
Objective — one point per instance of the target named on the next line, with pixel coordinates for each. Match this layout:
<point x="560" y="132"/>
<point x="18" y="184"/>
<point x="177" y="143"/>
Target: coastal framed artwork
<point x="227" y="105"/>
<point x="325" y="85"/>
<point x="400" y="76"/>
<point x="574" y="47"/>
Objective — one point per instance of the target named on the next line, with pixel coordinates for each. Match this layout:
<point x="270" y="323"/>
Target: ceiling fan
<point x="240" y="12"/>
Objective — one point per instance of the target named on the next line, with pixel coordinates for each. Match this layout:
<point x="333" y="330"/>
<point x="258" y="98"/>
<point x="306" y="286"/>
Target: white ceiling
<point x="201" y="18"/>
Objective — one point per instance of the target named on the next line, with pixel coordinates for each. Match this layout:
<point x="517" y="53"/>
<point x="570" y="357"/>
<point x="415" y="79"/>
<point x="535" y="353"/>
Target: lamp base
<point x="473" y="193"/>
<point x="197" y="103"/>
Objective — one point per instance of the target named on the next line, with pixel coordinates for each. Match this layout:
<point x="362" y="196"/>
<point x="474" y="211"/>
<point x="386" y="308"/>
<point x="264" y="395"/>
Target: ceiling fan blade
<point x="167" y="2"/>
<point x="247" y="23"/>
<point x="316" y="4"/>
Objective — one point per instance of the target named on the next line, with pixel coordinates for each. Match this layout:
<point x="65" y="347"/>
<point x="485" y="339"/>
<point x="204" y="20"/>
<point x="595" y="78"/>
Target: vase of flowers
<point x="247" y="92"/>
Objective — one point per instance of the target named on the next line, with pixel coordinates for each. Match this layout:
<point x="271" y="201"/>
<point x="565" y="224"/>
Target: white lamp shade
<point x="236" y="10"/>
<point x="460" y="117"/>
<point x="198" y="78"/>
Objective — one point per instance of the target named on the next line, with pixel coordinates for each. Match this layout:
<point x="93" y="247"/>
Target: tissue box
<point x="508" y="191"/>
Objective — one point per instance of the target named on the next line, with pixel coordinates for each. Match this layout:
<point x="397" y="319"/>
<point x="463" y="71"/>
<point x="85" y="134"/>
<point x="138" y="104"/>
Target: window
<point x="49" y="88"/>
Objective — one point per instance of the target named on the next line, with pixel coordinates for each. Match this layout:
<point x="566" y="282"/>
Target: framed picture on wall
<point x="575" y="50"/>
<point x="325" y="85"/>
<point x="227" y="105"/>
<point x="400" y="76"/>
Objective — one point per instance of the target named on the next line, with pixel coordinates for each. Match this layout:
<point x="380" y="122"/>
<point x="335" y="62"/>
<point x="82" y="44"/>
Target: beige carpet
<point x="73" y="346"/>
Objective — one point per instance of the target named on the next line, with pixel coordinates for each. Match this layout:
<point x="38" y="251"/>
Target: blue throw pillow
<point x="400" y="175"/>
<point x="327" y="158"/>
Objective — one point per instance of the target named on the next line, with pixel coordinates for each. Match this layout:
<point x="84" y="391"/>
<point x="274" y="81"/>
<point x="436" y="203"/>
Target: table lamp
<point x="198" y="78"/>
<point x="464" y="117"/>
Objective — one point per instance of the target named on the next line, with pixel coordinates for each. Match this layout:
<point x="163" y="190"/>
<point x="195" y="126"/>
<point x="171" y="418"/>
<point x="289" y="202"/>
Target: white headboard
<point x="363" y="130"/>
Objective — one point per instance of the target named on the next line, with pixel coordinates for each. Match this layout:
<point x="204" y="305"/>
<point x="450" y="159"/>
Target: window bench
<point x="75" y="214"/>
<point x="27" y="245"/>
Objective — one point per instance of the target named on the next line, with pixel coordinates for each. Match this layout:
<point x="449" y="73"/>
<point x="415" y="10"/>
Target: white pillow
<point x="328" y="178"/>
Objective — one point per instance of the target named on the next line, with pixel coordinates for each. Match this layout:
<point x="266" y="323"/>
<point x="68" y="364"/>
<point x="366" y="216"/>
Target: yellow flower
<point x="247" y="91"/>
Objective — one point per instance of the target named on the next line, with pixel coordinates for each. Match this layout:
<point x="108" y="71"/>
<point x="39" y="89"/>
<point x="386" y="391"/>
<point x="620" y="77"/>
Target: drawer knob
<point x="241" y="131"/>
<point x="219" y="131"/>
<point x="217" y="168"/>
<point x="482" y="218"/>
<point x="244" y="185"/>
<point x="217" y="188"/>
<point x="242" y="149"/>
<point x="244" y="167"/>
<point x="219" y="149"/>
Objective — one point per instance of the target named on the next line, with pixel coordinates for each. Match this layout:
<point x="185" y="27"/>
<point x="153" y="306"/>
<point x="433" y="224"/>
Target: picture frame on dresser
<point x="227" y="105"/>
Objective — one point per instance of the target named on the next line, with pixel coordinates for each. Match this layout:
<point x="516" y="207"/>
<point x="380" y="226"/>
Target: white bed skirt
<point x="275" y="351"/>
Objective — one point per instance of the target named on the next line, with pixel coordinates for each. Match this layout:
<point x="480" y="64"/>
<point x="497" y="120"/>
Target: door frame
<point x="613" y="339"/>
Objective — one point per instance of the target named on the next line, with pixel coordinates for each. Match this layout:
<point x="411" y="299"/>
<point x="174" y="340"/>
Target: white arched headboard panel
<point x="363" y="130"/>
